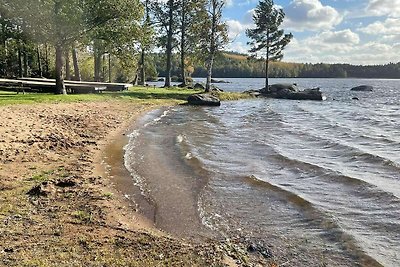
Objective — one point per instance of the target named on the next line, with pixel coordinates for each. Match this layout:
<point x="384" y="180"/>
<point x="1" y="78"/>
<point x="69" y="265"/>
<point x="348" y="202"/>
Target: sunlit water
<point x="319" y="182"/>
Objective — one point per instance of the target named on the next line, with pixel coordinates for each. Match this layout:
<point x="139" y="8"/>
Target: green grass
<point x="140" y="94"/>
<point x="145" y="95"/>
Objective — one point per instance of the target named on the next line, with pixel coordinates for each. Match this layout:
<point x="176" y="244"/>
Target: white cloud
<point x="391" y="26"/>
<point x="341" y="47"/>
<point x="383" y="7"/>
<point x="340" y="37"/>
<point x="310" y="15"/>
<point x="235" y="28"/>
<point x="229" y="3"/>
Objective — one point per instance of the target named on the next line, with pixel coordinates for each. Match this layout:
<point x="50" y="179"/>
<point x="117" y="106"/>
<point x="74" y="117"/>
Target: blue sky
<point x="331" y="31"/>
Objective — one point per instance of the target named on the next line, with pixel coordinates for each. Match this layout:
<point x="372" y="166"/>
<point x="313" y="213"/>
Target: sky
<point x="357" y="32"/>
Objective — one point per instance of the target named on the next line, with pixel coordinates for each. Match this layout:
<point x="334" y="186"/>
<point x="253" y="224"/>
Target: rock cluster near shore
<point x="288" y="91"/>
<point x="203" y="100"/>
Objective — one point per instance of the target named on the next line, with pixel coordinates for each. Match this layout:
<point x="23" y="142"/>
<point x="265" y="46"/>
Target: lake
<point x="315" y="182"/>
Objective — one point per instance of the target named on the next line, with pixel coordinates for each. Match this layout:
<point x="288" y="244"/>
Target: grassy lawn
<point x="145" y="95"/>
<point x="140" y="94"/>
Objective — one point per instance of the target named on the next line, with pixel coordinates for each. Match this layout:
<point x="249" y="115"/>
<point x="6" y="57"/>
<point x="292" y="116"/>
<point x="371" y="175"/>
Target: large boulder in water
<point x="203" y="100"/>
<point x="363" y="88"/>
<point x="290" y="91"/>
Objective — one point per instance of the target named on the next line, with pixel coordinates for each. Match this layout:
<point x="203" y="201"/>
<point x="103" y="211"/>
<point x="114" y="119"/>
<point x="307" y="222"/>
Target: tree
<point x="113" y="27"/>
<point x="166" y="15"/>
<point x="145" y="41"/>
<point x="189" y="23"/>
<point x="213" y="32"/>
<point x="267" y="36"/>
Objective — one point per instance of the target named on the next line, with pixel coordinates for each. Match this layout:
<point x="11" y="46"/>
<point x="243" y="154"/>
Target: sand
<point x="61" y="193"/>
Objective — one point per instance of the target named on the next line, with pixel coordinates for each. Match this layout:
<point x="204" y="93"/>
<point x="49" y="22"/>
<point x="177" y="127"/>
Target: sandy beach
<point x="62" y="193"/>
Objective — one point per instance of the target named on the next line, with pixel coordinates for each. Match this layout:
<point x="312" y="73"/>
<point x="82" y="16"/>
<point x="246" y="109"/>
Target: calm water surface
<point x="318" y="182"/>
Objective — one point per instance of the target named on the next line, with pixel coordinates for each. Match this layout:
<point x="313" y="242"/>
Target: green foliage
<point x="42" y="176"/>
<point x="83" y="216"/>
<point x="267" y="37"/>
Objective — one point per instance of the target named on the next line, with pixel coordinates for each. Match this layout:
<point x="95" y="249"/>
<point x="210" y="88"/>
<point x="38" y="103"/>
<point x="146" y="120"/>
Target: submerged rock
<point x="218" y="81"/>
<point x="290" y="91"/>
<point x="363" y="88"/>
<point x="203" y="100"/>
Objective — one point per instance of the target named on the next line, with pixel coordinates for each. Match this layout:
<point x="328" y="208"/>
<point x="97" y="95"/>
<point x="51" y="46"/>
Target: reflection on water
<point x="318" y="181"/>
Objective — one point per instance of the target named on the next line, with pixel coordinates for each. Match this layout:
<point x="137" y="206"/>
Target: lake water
<point x="316" y="182"/>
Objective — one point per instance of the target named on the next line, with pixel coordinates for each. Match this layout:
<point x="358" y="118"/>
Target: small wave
<point x="320" y="219"/>
<point x="134" y="134"/>
<point x="165" y="113"/>
<point x="352" y="151"/>
<point x="180" y="138"/>
<point x="369" y="191"/>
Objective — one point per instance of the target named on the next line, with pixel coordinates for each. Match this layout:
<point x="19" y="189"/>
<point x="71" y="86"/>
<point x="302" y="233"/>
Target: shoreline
<point x="110" y="165"/>
<point x="58" y="210"/>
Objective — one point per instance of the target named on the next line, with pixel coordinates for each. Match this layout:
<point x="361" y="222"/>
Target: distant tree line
<point x="234" y="65"/>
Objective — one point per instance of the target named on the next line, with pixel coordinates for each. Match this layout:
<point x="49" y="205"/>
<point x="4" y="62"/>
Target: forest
<point x="107" y="40"/>
<point x="116" y="40"/>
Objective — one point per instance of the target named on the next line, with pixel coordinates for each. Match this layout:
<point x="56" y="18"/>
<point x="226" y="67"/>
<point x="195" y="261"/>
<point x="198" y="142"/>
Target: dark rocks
<point x="40" y="190"/>
<point x="8" y="250"/>
<point x="362" y="88"/>
<point x="218" y="81"/>
<point x="199" y="86"/>
<point x="355" y="98"/>
<point x="203" y="100"/>
<point x="289" y="91"/>
<point x="216" y="89"/>
<point x="253" y="93"/>
<point x="258" y="248"/>
<point x="66" y="183"/>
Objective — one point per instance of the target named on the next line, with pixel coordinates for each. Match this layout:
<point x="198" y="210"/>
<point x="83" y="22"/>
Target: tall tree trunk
<point x="266" y="73"/>
<point x="20" y="68"/>
<point x="4" y="43"/>
<point x="60" y="86"/>
<point x="267" y="65"/>
<point x="210" y="64"/>
<point x="103" y="73"/>
<point x="67" y="65"/>
<point x="169" y="43"/>
<point x="46" y="58"/>
<point x="97" y="61"/>
<point x="183" y="42"/>
<point x="39" y="59"/>
<point x="212" y="45"/>
<point x="26" y="63"/>
<point x="109" y="67"/>
<point x="77" y="72"/>
<point x="142" y="80"/>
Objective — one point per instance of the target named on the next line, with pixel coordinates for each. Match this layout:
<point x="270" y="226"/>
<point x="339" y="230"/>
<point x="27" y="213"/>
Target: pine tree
<point x="267" y="37"/>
